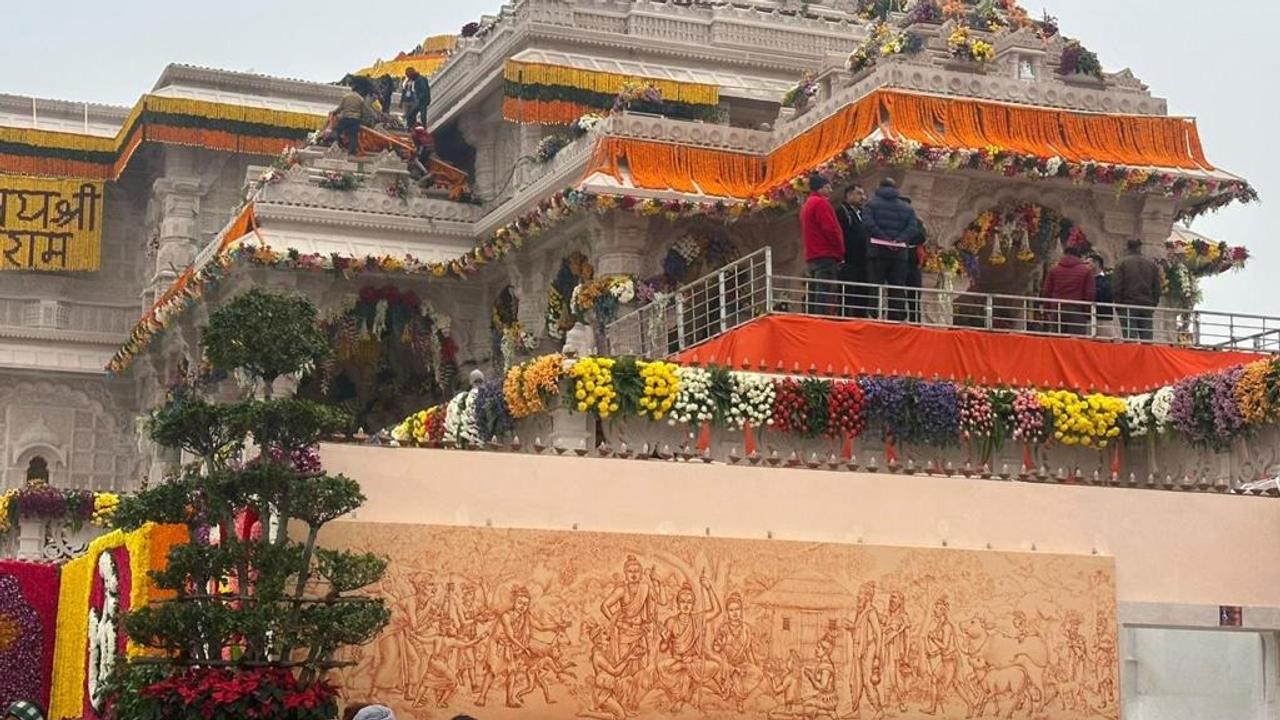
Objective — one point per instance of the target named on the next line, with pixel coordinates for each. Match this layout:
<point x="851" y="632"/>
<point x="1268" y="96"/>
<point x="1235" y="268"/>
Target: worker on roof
<point x="416" y="97"/>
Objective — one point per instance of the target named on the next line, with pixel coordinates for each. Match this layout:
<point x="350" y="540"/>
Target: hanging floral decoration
<point x="533" y="387"/>
<point x="508" y="334"/>
<point x="461" y="429"/>
<point x="1185" y="262"/>
<point x="388" y="346"/>
<point x="692" y="255"/>
<point x="603" y="297"/>
<point x="964" y="46"/>
<point x="592" y="386"/>
<point x="661" y="386"/>
<point x="1022" y="230"/>
<point x="551" y="145"/>
<point x="846" y="414"/>
<point x="561" y="316"/>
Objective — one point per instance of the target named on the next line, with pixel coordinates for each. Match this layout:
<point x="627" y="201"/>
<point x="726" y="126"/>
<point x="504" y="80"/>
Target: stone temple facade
<point x="647" y="140"/>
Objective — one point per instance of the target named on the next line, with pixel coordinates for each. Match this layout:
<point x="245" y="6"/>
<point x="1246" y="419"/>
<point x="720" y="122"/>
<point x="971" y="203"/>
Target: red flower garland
<point x="790" y="408"/>
<point x="34" y="596"/>
<point x="845" y="410"/>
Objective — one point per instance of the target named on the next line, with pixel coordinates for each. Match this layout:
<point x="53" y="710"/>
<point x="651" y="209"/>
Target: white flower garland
<point x="694" y="403"/>
<point x="103" y="631"/>
<point x="1138" y="414"/>
<point x="1162" y="408"/>
<point x="623" y="289"/>
<point x="751" y="400"/>
<point x="460" y="426"/>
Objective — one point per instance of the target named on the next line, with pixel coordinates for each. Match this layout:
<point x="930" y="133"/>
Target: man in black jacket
<point x="892" y="226"/>
<point x="857" y="299"/>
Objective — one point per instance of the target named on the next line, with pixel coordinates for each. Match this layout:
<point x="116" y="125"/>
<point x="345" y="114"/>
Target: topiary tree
<point x="256" y="617"/>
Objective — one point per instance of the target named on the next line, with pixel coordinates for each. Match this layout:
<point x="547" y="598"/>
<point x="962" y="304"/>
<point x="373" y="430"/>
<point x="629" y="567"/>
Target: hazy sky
<point x="1214" y="61"/>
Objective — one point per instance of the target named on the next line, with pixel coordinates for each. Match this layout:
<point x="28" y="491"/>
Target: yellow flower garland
<point x="607" y="83"/>
<point x="593" y="387"/>
<point x="1251" y="393"/>
<point x="661" y="384"/>
<point x="1089" y="421"/>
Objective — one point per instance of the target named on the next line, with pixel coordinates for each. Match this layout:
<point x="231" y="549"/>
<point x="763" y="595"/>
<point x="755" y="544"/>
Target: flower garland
<point x="574" y="271"/>
<point x="46" y="503"/>
<point x="1024" y="230"/>
<point x="1091" y="421"/>
<point x="460" y="428"/>
<point x="661" y="387"/>
<point x="603" y="296"/>
<point x="1211" y="410"/>
<point x="751" y="401"/>
<point x="340" y="181"/>
<point x="593" y="388"/>
<point x="531" y="388"/>
<point x="846" y="418"/>
<point x="800" y="96"/>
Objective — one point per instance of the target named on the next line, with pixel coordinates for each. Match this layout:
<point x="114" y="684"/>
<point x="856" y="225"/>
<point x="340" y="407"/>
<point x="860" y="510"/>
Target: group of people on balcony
<point x="879" y="241"/>
<point x="365" y="104"/>
<point x="876" y="241"/>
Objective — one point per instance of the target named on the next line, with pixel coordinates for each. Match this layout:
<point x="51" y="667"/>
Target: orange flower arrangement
<point x="1251" y="393"/>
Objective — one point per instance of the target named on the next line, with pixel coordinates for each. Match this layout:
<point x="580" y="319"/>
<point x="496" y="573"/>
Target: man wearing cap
<point x="823" y="246"/>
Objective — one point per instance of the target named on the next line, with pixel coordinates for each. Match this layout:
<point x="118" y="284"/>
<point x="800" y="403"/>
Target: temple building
<point x="593" y="392"/>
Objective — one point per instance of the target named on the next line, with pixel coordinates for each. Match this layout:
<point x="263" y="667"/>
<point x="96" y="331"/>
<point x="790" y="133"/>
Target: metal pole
<point x="724" y="317"/>
<point x="768" y="280"/>
<point x="679" y="320"/>
<point x="990" y="313"/>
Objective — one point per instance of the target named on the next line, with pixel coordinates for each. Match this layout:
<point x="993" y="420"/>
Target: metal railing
<point x="748" y="288"/>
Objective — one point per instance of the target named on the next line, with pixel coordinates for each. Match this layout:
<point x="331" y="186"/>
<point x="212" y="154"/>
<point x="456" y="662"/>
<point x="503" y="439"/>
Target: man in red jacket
<point x="1071" y="279"/>
<point x="823" y="247"/>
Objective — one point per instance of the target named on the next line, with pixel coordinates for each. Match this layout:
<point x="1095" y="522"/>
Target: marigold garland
<point x="1251" y="393"/>
<point x="1091" y="421"/>
<point x="661" y="386"/>
<point x="593" y="389"/>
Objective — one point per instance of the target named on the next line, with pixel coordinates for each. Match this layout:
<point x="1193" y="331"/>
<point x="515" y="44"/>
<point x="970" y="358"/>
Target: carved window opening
<point x="38" y="470"/>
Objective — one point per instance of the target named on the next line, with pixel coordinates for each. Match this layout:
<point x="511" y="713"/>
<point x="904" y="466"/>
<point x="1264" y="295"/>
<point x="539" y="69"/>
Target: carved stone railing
<point x="47" y="540"/>
<point x="662" y="129"/>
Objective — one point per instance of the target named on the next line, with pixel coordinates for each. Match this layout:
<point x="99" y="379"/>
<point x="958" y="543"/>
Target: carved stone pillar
<point x="178" y="236"/>
<point x="621" y="243"/>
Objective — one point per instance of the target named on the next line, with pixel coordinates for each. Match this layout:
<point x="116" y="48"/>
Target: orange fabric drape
<point x="372" y="141"/>
<point x="939" y="121"/>
<point x="866" y="347"/>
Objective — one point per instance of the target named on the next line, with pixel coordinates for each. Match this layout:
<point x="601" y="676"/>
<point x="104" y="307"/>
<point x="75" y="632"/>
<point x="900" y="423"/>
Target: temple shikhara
<point x="626" y="450"/>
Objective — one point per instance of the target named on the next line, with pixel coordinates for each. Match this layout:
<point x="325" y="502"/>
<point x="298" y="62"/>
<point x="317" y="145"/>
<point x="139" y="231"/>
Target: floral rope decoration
<point x="1208" y="411"/>
<point x="40" y="502"/>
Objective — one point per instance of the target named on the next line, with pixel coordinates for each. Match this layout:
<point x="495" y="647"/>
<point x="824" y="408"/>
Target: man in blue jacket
<point x="892" y="225"/>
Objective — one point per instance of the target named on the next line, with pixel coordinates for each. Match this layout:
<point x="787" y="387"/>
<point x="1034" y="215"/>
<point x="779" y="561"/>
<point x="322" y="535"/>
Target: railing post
<point x="882" y="302"/>
<point x="1093" y="320"/>
<point x="989" y="313"/>
<point x="768" y="280"/>
<point x="724" y="312"/>
<point x="679" y="320"/>
<point x="1231" y="330"/>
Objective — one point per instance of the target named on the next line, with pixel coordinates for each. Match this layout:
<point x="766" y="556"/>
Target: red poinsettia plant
<point x="222" y="694"/>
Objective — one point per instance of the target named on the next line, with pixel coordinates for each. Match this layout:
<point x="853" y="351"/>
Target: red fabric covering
<point x="38" y="583"/>
<point x="823" y="238"/>
<point x="865" y="347"/>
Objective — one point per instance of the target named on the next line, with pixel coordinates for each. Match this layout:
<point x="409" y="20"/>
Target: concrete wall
<point x="1172" y="549"/>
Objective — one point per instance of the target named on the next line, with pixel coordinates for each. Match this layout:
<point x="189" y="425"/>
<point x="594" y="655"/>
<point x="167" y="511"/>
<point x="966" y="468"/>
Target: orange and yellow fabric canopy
<point x="957" y="123"/>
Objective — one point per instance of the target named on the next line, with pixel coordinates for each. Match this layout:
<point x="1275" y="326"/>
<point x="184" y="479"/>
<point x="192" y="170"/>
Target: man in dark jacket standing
<point x="416" y="98"/>
<point x="892" y="225"/>
<point x="1071" y="279"/>
<point x="915" y="273"/>
<point x="1136" y="281"/>
<point x="823" y="246"/>
<point x="857" y="299"/>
